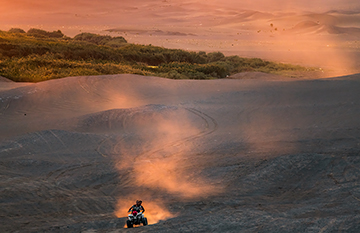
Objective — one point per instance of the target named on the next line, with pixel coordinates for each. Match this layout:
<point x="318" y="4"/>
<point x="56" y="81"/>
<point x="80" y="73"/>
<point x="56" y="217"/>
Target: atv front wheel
<point x="145" y="222"/>
<point x="129" y="224"/>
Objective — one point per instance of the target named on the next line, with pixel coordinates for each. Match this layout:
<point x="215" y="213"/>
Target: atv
<point x="136" y="218"/>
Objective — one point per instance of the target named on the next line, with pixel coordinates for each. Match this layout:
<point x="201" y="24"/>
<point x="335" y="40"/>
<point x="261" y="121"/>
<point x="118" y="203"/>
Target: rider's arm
<point x="131" y="208"/>
<point x="143" y="209"/>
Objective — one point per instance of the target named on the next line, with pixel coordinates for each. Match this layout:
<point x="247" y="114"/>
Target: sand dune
<point x="251" y="153"/>
<point x="320" y="23"/>
<point x="7" y="84"/>
<point x="254" y="153"/>
<point x="257" y="75"/>
<point x="2" y="79"/>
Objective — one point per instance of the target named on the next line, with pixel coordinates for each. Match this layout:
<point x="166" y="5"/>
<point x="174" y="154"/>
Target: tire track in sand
<point x="210" y="126"/>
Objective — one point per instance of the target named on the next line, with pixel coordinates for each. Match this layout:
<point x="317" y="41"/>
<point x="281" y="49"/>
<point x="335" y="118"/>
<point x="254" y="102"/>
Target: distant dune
<point x="305" y="25"/>
<point x="327" y="23"/>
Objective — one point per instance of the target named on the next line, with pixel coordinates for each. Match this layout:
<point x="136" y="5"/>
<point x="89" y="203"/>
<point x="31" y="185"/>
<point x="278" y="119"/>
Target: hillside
<point x="38" y="55"/>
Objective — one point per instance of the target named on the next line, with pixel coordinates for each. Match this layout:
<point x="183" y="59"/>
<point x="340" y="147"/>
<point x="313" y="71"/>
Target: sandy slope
<point x="250" y="154"/>
<point x="7" y="84"/>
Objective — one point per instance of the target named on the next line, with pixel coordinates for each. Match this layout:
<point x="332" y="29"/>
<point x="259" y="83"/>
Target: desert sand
<point x="261" y="154"/>
<point x="251" y="153"/>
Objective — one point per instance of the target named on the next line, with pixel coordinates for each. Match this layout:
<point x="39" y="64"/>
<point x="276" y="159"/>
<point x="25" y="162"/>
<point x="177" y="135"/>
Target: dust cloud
<point x="154" y="209"/>
<point x="159" y="168"/>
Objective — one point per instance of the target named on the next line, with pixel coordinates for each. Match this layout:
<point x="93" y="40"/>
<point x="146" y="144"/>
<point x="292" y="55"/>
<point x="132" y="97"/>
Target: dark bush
<point x="116" y="42"/>
<point x="153" y="55"/>
<point x="257" y="62"/>
<point x="92" y="38"/>
<point x="7" y="46"/>
<point x="211" y="70"/>
<point x="16" y="30"/>
<point x="9" y="50"/>
<point x="215" y="56"/>
<point x="101" y="40"/>
<point x="38" y="33"/>
<point x="216" y="70"/>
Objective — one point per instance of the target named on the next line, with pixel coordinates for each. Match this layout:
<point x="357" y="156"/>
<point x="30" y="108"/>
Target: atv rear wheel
<point x="129" y="224"/>
<point x="145" y="222"/>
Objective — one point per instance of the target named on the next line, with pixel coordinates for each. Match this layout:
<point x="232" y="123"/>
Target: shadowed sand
<point x="254" y="153"/>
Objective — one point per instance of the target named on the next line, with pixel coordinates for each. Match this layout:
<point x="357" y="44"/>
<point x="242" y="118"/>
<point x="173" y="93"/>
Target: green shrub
<point x="116" y="42"/>
<point x="16" y="30"/>
<point x="173" y="74"/>
<point x="216" y="70"/>
<point x="37" y="68"/>
<point x="40" y="55"/>
<point x="197" y="71"/>
<point x="215" y="56"/>
<point x="38" y="33"/>
<point x="8" y="50"/>
<point x="153" y="55"/>
<point x="101" y="40"/>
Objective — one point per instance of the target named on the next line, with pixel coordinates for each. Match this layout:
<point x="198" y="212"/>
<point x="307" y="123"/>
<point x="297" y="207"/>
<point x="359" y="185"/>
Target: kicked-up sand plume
<point x="155" y="210"/>
<point x="157" y="163"/>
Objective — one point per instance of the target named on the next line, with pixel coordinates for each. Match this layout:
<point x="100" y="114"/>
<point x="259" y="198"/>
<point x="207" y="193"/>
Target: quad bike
<point x="136" y="218"/>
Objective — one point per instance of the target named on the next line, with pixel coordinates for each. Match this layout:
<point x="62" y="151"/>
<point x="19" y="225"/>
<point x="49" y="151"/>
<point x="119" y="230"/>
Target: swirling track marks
<point x="211" y="126"/>
<point x="42" y="138"/>
<point x="210" y="122"/>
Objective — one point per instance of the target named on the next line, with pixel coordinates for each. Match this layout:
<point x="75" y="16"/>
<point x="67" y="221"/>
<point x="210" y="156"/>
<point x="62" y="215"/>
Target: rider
<point x="137" y="207"/>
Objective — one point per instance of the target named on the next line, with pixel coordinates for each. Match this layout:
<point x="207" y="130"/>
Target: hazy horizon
<point x="112" y="12"/>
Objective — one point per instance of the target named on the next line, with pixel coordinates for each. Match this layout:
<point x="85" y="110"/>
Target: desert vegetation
<point x="38" y="55"/>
